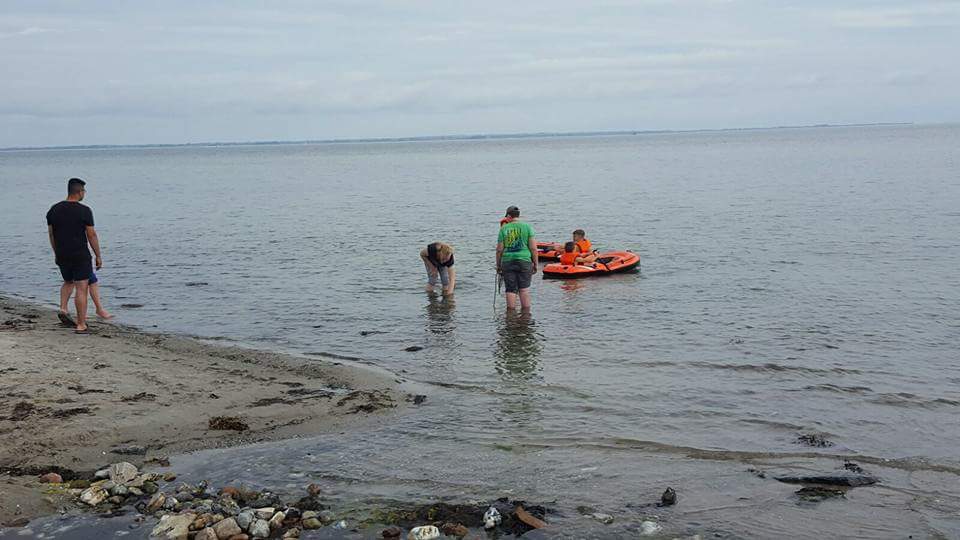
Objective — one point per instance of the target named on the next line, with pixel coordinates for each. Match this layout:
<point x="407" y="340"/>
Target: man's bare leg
<point x="95" y="296"/>
<point x="81" y="300"/>
<point x="525" y="299"/>
<point x="65" y="291"/>
<point x="511" y="300"/>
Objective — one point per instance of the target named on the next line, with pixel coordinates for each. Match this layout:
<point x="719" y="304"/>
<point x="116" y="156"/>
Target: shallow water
<point x="791" y="281"/>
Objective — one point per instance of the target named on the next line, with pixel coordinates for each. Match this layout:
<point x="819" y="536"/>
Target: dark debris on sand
<point x="227" y="423"/>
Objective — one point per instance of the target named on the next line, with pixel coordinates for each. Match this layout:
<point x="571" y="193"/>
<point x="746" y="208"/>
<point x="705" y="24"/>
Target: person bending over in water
<point x="438" y="260"/>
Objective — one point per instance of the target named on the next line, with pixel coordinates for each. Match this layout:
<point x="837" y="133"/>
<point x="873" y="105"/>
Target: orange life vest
<point x="584" y="245"/>
<point x="568" y="259"/>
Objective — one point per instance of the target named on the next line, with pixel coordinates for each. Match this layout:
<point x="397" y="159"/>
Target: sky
<point x="134" y="72"/>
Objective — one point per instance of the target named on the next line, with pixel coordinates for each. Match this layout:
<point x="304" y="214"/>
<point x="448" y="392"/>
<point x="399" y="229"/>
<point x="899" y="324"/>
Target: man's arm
<point x="95" y="244"/>
<point x="499" y="254"/>
<point x="53" y="243"/>
<point x="532" y="244"/>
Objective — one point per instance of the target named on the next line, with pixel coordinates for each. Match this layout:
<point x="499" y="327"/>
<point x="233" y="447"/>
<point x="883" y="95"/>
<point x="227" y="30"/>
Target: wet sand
<point x="76" y="403"/>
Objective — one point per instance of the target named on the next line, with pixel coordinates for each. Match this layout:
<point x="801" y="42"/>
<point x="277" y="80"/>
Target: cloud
<point x="919" y="15"/>
<point x="28" y="31"/>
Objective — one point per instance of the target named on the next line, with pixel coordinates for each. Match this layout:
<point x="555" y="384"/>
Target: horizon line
<point x="450" y="137"/>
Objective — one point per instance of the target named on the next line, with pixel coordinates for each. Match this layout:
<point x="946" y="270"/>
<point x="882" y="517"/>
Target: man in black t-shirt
<point x="70" y="226"/>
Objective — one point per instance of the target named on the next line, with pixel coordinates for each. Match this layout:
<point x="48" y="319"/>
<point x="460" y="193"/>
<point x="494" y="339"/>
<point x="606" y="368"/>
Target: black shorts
<point x="516" y="275"/>
<point x="76" y="271"/>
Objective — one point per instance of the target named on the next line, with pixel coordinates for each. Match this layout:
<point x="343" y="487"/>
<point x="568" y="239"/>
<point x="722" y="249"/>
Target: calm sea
<point x="792" y="281"/>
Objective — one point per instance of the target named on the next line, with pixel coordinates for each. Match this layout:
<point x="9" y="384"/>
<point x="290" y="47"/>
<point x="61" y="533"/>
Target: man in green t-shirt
<point x="516" y="259"/>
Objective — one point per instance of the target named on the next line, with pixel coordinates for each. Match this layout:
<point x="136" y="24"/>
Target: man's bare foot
<point x="82" y="330"/>
<point x="105" y="315"/>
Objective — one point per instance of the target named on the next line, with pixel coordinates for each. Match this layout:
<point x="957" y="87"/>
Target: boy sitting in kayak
<point x="584" y="245"/>
<point x="572" y="256"/>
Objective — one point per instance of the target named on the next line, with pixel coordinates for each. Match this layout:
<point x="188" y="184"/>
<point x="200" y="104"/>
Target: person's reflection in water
<point x="518" y="347"/>
<point x="440" y="319"/>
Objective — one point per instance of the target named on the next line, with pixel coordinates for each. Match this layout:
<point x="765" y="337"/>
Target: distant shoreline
<point x="432" y="138"/>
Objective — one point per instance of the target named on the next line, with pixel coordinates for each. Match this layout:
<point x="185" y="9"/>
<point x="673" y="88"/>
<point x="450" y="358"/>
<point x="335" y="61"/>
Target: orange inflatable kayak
<point x="547" y="251"/>
<point x="611" y="262"/>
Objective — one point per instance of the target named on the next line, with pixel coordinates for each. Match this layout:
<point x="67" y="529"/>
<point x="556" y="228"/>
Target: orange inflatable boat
<point x="547" y="251"/>
<point x="611" y="262"/>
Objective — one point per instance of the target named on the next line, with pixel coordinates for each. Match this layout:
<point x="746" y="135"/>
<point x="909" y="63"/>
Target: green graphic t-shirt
<point x="515" y="237"/>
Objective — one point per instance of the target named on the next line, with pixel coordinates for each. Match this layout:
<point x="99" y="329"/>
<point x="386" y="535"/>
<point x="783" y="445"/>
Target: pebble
<point x="173" y="527"/>
<point x="170" y="503"/>
<point x="649" y="528"/>
<point x="123" y="472"/>
<point x="120" y="490"/>
<point x="391" y="532"/>
<point x="169" y="477"/>
<point x="491" y="518"/>
<point x="309" y="514"/>
<point x="156" y="502"/>
<point x="227" y="528"/>
<point x="203" y="521"/>
<point x="231" y="492"/>
<point x="51" y="478"/>
<point x="342" y="524"/>
<point x="425" y="532"/>
<point x="206" y="534"/>
<point x="314" y="490"/>
<point x="102" y="474"/>
<point x="602" y="518"/>
<point x="669" y="497"/>
<point x="276" y="521"/>
<point x="260" y="528"/>
<point x="454" y="529"/>
<point x="93" y="496"/>
<point x="245" y="518"/>
<point x="150" y="488"/>
<point x="312" y="523"/>
<point x="327" y="516"/>
<point x="239" y="537"/>
<point x="265" y="513"/>
<point x="292" y="533"/>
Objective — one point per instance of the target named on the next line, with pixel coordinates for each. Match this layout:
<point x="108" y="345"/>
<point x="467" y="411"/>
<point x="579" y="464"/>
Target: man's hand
<point x="534" y="268"/>
<point x="99" y="263"/>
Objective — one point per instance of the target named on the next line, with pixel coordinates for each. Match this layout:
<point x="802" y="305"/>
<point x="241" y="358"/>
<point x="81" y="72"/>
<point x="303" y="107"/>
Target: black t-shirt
<point x="70" y="221"/>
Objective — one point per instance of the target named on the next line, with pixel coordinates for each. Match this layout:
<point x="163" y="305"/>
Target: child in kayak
<point x="571" y="255"/>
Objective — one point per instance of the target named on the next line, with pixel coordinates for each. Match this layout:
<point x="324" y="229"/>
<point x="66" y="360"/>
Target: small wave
<point x="771" y="367"/>
<point x="771" y="423"/>
<point x="324" y="354"/>
<point x="834" y="388"/>
<point x="906" y="399"/>
<point x="910" y="464"/>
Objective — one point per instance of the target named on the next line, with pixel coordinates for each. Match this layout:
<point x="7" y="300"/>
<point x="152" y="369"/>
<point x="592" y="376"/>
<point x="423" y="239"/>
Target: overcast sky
<point x="133" y="72"/>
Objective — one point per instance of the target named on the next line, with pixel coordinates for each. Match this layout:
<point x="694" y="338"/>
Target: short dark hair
<point x="579" y="232"/>
<point x="569" y="247"/>
<point x="513" y="212"/>
<point x="75" y="185"/>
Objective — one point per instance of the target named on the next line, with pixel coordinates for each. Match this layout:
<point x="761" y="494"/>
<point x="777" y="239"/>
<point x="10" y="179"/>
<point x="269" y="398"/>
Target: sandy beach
<point x="75" y="403"/>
